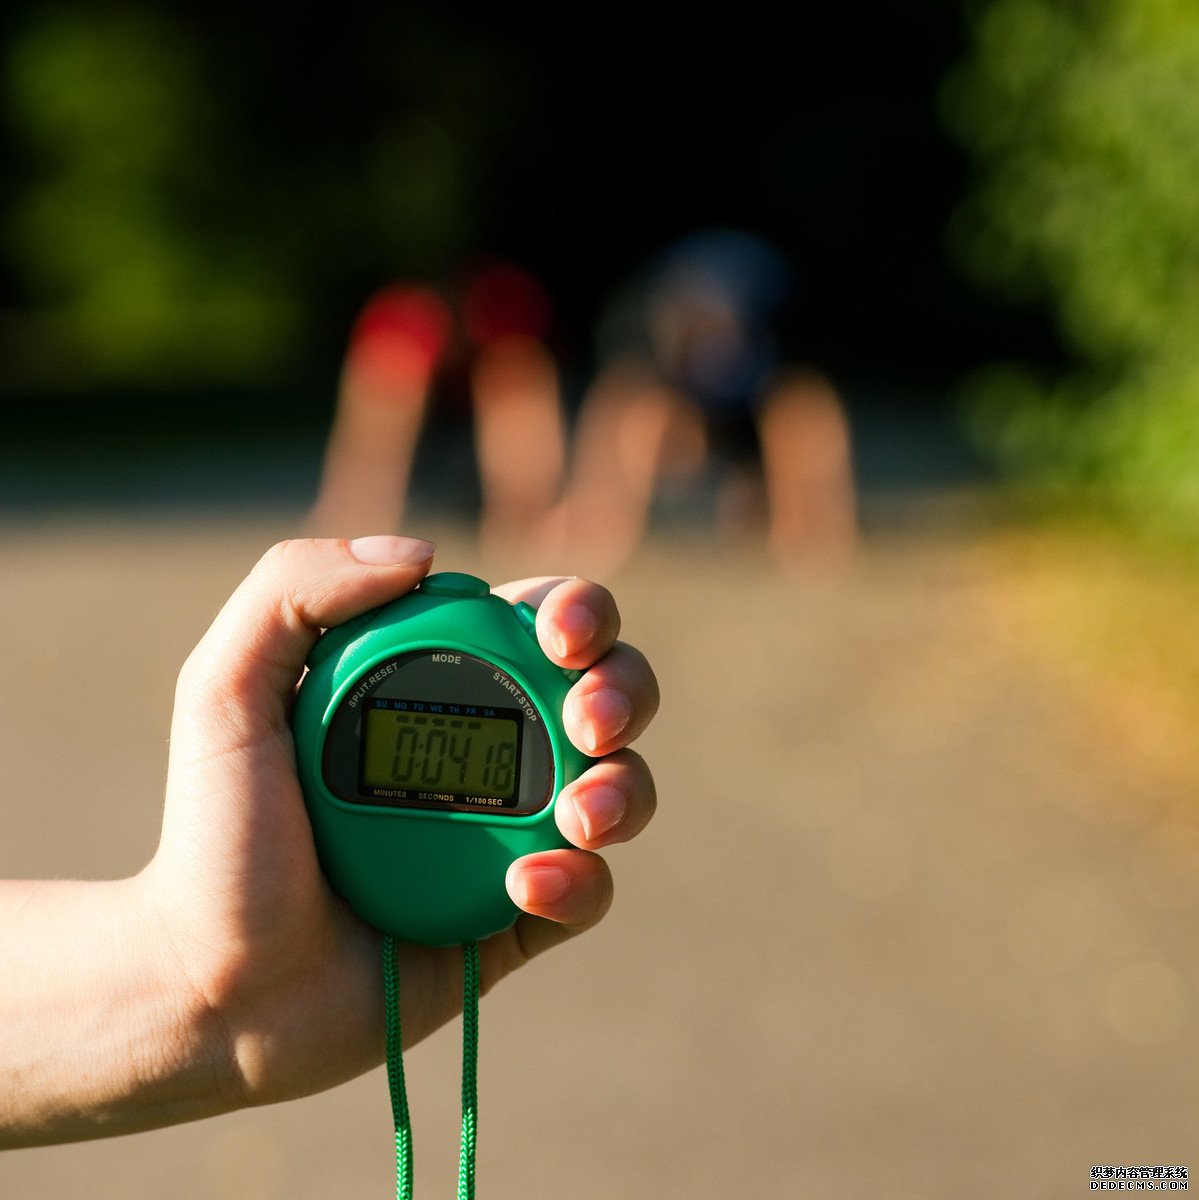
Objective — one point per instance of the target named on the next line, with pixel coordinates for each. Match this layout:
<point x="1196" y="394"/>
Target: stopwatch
<point x="430" y="751"/>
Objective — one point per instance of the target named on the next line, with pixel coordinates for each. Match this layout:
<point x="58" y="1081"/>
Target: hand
<point x="276" y="985"/>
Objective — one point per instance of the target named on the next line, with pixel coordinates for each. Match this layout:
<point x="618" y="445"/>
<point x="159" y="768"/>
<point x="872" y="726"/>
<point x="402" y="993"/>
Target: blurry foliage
<point x="1084" y="121"/>
<point x="199" y="195"/>
<point x="137" y="284"/>
<point x="194" y="189"/>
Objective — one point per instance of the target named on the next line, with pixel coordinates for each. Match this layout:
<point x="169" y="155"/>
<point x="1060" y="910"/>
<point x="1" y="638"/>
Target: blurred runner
<point x="395" y="347"/>
<point x="520" y="435"/>
<point x="412" y="351"/>
<point x="692" y="372"/>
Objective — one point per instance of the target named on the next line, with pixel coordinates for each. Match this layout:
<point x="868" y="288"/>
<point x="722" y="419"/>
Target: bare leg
<point x="809" y="474"/>
<point x="368" y="462"/>
<point x="381" y="405"/>
<point x="629" y="419"/>
<point x="519" y="438"/>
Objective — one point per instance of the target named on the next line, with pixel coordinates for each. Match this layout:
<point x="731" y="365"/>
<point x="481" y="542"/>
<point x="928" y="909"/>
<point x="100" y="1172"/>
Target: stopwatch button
<point x="328" y="644"/>
<point x="335" y="640"/>
<point x="454" y="583"/>
<point x="526" y="614"/>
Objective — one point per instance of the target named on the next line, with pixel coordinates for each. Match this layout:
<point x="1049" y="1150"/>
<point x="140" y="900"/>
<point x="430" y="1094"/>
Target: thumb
<point x="243" y="672"/>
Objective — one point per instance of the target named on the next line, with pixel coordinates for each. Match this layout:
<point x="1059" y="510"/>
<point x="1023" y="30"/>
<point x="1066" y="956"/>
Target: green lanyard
<point x="395" y="1071"/>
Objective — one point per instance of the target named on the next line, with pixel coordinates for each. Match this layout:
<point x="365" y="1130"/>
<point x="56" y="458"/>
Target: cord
<point x="395" y="1071"/>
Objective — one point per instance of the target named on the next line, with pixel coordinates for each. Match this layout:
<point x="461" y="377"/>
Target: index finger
<point x="577" y="620"/>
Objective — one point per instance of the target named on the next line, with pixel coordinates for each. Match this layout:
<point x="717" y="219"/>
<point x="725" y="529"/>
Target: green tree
<point x="134" y="280"/>
<point x="189" y="197"/>
<point x="1083" y="120"/>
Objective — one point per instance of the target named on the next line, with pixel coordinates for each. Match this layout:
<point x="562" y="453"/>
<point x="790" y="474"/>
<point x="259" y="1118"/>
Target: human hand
<point x="276" y="985"/>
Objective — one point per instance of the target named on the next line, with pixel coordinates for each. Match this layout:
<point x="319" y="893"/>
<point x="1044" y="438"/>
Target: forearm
<point x="96" y="1036"/>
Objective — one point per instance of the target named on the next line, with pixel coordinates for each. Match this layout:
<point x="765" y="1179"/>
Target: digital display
<point x="421" y="751"/>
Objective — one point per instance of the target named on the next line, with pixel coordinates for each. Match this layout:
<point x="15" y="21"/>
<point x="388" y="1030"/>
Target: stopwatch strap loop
<point x="395" y="1071"/>
<point x="470" y="1057"/>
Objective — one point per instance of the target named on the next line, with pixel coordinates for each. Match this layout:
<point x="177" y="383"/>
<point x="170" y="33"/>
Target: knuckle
<point x="282" y="554"/>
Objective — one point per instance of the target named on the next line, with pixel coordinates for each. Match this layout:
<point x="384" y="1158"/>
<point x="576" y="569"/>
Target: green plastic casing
<point x="424" y="875"/>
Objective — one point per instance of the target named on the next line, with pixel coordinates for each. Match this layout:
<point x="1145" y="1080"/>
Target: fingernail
<point x="600" y="808"/>
<point x="605" y="714"/>
<point x="574" y="629"/>
<point x="541" y="885"/>
<point x="388" y="549"/>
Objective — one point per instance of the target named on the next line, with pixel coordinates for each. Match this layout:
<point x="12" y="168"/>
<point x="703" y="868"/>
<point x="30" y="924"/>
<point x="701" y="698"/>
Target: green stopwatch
<point x="430" y="750"/>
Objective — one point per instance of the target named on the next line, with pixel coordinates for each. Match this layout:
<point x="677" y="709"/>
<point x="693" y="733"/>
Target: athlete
<point x="477" y="352"/>
<point x="692" y="370"/>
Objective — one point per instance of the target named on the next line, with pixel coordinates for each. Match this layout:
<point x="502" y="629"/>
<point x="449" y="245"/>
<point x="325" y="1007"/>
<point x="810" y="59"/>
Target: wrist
<point x="99" y="1034"/>
<point x="187" y="1068"/>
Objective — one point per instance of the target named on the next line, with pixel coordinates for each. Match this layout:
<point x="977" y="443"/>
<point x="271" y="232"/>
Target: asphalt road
<point x="906" y="925"/>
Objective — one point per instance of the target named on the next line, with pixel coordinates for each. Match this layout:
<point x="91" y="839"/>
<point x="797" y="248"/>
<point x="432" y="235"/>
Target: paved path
<point x="904" y="927"/>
